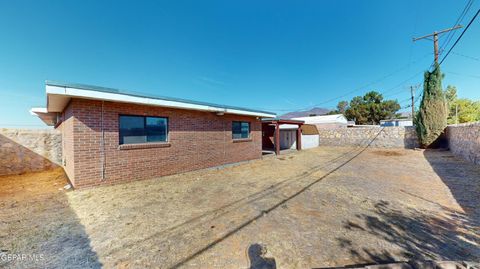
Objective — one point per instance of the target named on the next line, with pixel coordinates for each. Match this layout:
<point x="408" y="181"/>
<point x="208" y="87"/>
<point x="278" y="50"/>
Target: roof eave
<point x="71" y="92"/>
<point x="49" y="118"/>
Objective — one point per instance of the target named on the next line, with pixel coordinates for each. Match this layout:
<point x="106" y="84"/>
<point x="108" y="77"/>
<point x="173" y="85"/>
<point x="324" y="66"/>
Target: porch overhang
<point x="277" y="123"/>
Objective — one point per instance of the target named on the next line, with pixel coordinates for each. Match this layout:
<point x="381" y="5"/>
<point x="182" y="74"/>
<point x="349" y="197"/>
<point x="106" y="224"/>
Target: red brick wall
<point x="196" y="140"/>
<point x="66" y="127"/>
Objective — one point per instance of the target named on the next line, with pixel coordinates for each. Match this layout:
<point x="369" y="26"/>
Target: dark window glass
<point x="138" y="129"/>
<point x="156" y="129"/>
<point x="240" y="129"/>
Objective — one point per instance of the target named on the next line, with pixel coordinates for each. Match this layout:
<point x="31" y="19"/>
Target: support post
<point x="299" y="137"/>
<point x="277" y="138"/>
<point x="456" y="113"/>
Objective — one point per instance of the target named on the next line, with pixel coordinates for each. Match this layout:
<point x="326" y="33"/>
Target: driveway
<point x="317" y="208"/>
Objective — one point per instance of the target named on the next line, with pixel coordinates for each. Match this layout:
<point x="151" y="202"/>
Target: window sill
<point x="144" y="145"/>
<point x="242" y="140"/>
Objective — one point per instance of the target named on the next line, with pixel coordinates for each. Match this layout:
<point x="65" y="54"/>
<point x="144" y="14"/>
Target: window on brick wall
<point x="240" y="129"/>
<point x="140" y="129"/>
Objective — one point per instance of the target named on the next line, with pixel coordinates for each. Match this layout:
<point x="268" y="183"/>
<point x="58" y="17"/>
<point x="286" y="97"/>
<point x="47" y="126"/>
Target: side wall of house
<point x="66" y="128"/>
<point x="196" y="140"/>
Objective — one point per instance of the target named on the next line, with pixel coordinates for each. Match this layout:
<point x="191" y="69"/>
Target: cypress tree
<point x="432" y="116"/>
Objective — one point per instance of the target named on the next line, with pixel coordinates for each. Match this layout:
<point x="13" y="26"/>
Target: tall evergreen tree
<point x="432" y="116"/>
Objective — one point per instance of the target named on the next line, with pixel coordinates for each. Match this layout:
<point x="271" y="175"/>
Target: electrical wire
<point x="466" y="56"/>
<point x="362" y="87"/>
<point x="460" y="37"/>
<point x="457" y="22"/>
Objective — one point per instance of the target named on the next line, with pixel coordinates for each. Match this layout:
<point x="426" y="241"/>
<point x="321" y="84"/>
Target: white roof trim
<point x="35" y="110"/>
<point x="50" y="118"/>
<point x="118" y="97"/>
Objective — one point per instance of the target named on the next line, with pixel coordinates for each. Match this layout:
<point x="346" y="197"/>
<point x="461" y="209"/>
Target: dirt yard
<point x="316" y="208"/>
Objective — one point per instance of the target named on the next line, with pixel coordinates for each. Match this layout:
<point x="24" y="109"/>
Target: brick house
<point x="111" y="136"/>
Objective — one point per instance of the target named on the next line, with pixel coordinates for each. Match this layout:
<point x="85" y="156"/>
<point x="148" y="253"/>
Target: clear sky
<point x="272" y="55"/>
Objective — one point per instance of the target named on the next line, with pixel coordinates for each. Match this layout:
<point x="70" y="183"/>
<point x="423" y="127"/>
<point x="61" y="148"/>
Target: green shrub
<point x="432" y="116"/>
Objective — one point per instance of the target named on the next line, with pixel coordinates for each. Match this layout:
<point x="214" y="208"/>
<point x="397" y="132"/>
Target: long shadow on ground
<point x="425" y="235"/>
<point x="38" y="229"/>
<point x="461" y="177"/>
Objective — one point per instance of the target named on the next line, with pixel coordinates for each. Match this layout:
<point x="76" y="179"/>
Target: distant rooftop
<point x="336" y="118"/>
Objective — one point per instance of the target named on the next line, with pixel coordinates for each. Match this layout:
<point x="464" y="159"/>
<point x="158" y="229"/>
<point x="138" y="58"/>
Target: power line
<point x="366" y="85"/>
<point x="458" y="21"/>
<point x="381" y="79"/>
<point x="460" y="37"/>
<point x="466" y="56"/>
<point x="464" y="75"/>
<point x="395" y="93"/>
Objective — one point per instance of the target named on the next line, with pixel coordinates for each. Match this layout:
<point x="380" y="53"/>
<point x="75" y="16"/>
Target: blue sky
<point x="271" y="55"/>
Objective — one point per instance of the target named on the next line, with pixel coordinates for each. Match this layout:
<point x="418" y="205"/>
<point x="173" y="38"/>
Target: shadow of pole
<point x="273" y="207"/>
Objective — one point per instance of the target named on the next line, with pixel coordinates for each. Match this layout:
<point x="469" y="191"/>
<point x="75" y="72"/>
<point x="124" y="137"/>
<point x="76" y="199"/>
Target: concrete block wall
<point x="378" y="137"/>
<point x="29" y="150"/>
<point x="464" y="141"/>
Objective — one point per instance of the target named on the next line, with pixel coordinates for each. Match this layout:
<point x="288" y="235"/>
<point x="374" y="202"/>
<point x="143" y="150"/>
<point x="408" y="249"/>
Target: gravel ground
<point x="317" y="208"/>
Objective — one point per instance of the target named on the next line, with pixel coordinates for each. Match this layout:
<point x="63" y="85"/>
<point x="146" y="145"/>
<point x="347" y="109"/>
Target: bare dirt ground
<point x="316" y="208"/>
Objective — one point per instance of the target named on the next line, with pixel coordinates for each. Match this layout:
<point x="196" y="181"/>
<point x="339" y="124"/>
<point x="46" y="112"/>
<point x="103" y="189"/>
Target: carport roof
<point x="282" y="121"/>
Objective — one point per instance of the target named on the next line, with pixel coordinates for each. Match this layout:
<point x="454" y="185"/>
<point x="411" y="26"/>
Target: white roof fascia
<point x="35" y="110"/>
<point x="288" y="126"/>
<point x="118" y="97"/>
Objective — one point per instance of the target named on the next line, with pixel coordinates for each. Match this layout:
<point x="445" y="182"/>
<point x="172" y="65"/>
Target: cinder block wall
<point x="464" y="141"/>
<point x="196" y="140"/>
<point x="379" y="137"/>
<point x="29" y="150"/>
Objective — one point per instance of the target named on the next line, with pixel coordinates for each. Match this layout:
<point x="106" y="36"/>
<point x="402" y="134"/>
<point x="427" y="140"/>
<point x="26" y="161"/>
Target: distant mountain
<point x="314" y="111"/>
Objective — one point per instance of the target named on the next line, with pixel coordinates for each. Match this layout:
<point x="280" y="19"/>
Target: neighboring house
<point x="396" y="122"/>
<point x="326" y="121"/>
<point x="110" y="136"/>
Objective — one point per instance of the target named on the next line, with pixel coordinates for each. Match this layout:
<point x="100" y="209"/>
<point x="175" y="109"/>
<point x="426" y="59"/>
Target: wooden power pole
<point x="412" y="92"/>
<point x="435" y="39"/>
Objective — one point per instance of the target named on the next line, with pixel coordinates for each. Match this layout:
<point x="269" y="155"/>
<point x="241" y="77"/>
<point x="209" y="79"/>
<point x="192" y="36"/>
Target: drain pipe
<point x="102" y="141"/>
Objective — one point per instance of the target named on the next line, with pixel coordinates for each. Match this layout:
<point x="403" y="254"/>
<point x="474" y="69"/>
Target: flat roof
<point x="335" y="118"/>
<point x="60" y="93"/>
<point x="396" y="120"/>
<point x="283" y="121"/>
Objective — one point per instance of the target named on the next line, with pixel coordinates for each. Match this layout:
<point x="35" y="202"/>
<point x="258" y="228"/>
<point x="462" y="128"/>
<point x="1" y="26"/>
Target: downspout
<point x="224" y="140"/>
<point x="102" y="141"/>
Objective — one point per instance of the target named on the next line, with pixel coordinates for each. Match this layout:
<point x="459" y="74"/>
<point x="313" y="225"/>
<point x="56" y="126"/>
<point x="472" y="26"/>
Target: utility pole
<point x="412" y="92"/>
<point x="456" y="113"/>
<point x="435" y="39"/>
